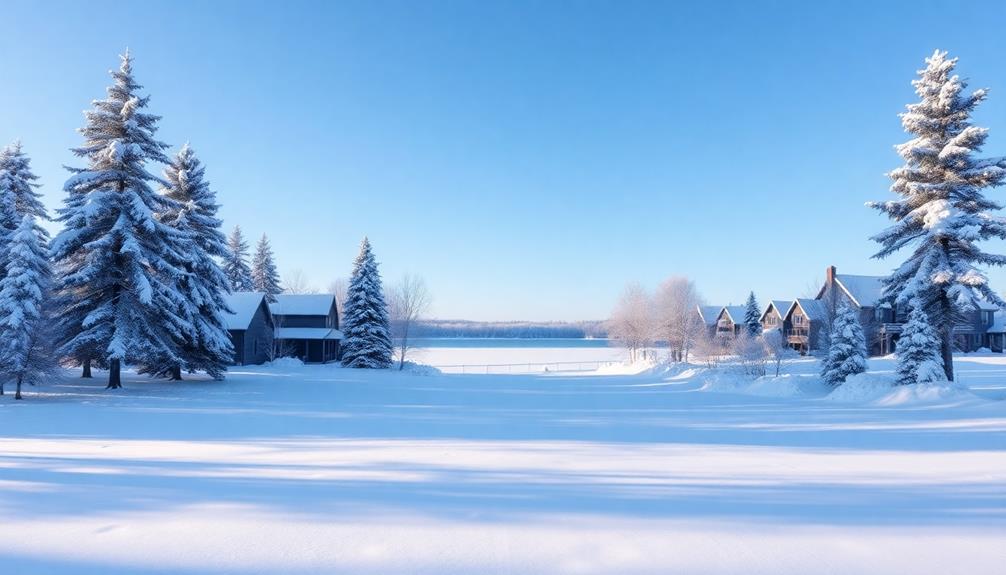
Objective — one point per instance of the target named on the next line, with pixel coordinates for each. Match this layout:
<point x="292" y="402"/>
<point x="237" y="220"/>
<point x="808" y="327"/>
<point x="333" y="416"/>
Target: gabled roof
<point x="781" y="306"/>
<point x="865" y="291"/>
<point x="735" y="312"/>
<point x="244" y="304"/>
<point x="814" y="309"/>
<point x="710" y="313"/>
<point x="303" y="304"/>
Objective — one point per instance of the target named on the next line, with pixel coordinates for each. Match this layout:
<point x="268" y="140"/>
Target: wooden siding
<point x="252" y="346"/>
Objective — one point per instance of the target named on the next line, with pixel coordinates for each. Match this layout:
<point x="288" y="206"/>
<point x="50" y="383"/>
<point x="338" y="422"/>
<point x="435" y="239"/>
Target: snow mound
<point x="923" y="393"/>
<point x="420" y="369"/>
<point x="863" y="388"/>
<point x="286" y="363"/>
<point x="781" y="386"/>
<point x="788" y="386"/>
<point x="881" y="390"/>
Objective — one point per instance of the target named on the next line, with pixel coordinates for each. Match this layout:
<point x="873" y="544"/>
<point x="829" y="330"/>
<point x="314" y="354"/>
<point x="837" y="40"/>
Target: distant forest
<point x="510" y="329"/>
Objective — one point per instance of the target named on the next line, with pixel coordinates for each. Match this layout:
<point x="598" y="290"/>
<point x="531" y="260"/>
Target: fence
<point x="505" y="368"/>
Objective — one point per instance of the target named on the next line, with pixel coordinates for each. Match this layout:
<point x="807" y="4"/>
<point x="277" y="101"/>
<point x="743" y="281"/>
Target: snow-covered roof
<point x="735" y="312"/>
<point x="307" y="333"/>
<point x="302" y="304"/>
<point x="865" y="291"/>
<point x="998" y="324"/>
<point x="781" y="306"/>
<point x="244" y="304"/>
<point x="709" y="313"/>
<point x="814" y="309"/>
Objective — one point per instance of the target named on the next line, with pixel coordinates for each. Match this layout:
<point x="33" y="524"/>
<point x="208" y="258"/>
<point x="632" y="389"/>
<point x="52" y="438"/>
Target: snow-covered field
<point x="324" y="470"/>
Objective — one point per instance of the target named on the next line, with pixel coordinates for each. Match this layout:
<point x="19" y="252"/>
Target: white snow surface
<point x="302" y="304"/>
<point x="632" y="469"/>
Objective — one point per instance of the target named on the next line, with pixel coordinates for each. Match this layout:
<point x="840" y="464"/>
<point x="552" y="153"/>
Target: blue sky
<point x="527" y="158"/>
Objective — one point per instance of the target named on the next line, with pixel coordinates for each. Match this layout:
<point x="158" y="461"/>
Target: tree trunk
<point x="176" y="373"/>
<point x="947" y="349"/>
<point x="114" y="377"/>
<point x="1" y="388"/>
<point x="17" y="394"/>
<point x="87" y="369"/>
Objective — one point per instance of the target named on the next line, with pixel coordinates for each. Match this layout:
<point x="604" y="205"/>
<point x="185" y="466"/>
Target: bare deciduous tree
<point x="296" y="282"/>
<point x="778" y="349"/>
<point x="632" y="323"/>
<point x="408" y="300"/>
<point x="338" y="289"/>
<point x="677" y="321"/>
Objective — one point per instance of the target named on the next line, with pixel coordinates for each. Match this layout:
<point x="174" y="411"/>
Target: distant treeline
<point x="510" y="329"/>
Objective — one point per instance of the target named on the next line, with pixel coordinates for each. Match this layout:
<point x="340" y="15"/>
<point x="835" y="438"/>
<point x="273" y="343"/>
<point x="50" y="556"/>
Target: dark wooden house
<point x="708" y="314"/>
<point x="251" y="327"/>
<point x="774" y="315"/>
<point x="882" y="322"/>
<point x="730" y="320"/>
<point x="307" y="327"/>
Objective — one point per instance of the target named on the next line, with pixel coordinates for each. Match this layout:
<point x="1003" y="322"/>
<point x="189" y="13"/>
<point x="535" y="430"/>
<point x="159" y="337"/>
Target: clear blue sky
<point x="527" y="158"/>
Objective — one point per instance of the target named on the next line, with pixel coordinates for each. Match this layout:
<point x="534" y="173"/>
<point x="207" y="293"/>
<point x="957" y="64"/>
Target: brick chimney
<point x="829" y="275"/>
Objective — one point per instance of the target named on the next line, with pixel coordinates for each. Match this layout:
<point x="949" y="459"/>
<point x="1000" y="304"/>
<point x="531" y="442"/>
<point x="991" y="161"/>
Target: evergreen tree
<point x="264" y="276"/>
<point x="114" y="258"/>
<point x="752" y="315"/>
<point x="25" y="347"/>
<point x="206" y="346"/>
<point x="847" y="353"/>
<point x="17" y="179"/>
<point x="367" y="342"/>
<point x="941" y="212"/>
<point x="236" y="262"/>
<point x="17" y="192"/>
<point x="919" y="356"/>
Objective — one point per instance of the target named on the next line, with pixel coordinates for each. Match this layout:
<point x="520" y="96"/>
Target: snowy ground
<point x="325" y="470"/>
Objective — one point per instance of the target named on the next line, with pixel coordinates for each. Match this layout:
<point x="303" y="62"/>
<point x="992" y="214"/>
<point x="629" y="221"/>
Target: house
<point x="730" y="320"/>
<point x="307" y="327"/>
<point x="882" y="322"/>
<point x="708" y="314"/>
<point x="251" y="327"/>
<point x="775" y="314"/>
<point x="804" y="323"/>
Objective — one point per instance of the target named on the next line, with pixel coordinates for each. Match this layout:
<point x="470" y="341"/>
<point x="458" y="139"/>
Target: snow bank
<point x="787" y="385"/>
<point x="881" y="390"/>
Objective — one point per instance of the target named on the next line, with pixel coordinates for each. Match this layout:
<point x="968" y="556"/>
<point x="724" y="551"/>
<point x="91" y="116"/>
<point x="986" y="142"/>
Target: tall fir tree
<point x="206" y="345"/>
<point x="17" y="178"/>
<point x="941" y="212"/>
<point x="235" y="262"/>
<point x="264" y="276"/>
<point x="919" y="357"/>
<point x="752" y="315"/>
<point x="367" y="341"/>
<point x="114" y="258"/>
<point x="18" y="195"/>
<point x="847" y="352"/>
<point x="26" y="354"/>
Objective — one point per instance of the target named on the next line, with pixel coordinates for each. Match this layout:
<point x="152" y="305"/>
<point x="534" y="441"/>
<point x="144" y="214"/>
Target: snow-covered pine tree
<point x="114" y="258"/>
<point x="847" y="353"/>
<point x="264" y="276"/>
<point x="26" y="354"/>
<point x="919" y="356"/>
<point x="235" y="262"/>
<point x="752" y="316"/>
<point x="206" y="346"/>
<point x="17" y="179"/>
<point x="941" y="211"/>
<point x="17" y="193"/>
<point x="367" y="342"/>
